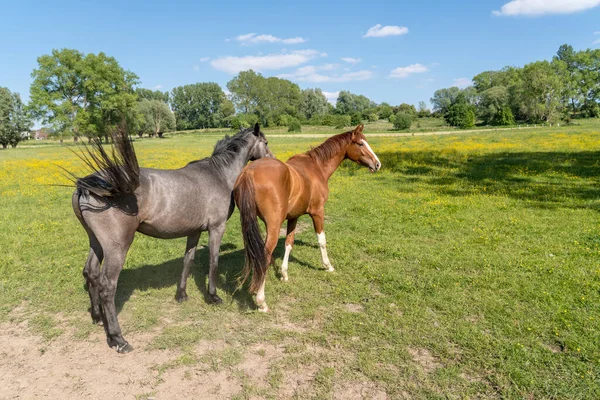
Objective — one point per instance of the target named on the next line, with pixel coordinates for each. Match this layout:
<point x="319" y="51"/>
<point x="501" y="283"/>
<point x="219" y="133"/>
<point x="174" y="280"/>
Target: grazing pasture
<point x="469" y="266"/>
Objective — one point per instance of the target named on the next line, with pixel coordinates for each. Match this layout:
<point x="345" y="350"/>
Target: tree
<point x="492" y="101"/>
<point x="349" y="103"/>
<point x="442" y="99"/>
<point x="152" y="95"/>
<point x="385" y="111"/>
<point x="423" y="110"/>
<point x="540" y="92"/>
<point x="81" y="94"/>
<point x="156" y="117"/>
<point x="314" y="103"/>
<point x="268" y="98"/>
<point x="402" y="120"/>
<point x="14" y="119"/>
<point x="460" y="114"/>
<point x="198" y="105"/>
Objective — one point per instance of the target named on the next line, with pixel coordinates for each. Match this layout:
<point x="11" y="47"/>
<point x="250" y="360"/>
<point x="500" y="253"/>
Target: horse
<point x="120" y="198"/>
<point x="275" y="191"/>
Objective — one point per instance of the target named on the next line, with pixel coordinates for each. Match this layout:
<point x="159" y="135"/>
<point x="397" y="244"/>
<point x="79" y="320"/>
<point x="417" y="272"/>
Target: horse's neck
<point x="234" y="168"/>
<point x="329" y="166"/>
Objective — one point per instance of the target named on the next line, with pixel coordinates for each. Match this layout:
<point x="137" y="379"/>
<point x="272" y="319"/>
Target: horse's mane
<point x="332" y="146"/>
<point x="227" y="149"/>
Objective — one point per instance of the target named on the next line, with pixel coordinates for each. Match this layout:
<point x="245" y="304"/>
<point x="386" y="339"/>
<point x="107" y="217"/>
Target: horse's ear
<point x="256" y="129"/>
<point x="357" y="131"/>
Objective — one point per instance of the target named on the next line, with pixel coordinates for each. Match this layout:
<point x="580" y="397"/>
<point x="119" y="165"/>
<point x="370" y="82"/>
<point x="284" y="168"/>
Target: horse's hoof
<point x="124" y="348"/>
<point x="181" y="298"/>
<point x="263" y="308"/>
<point x="284" y="279"/>
<point x="97" y="321"/>
<point x="329" y="268"/>
<point x="215" y="299"/>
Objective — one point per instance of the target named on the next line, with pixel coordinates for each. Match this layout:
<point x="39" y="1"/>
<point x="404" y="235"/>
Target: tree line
<point x="87" y="95"/>
<point x="564" y="88"/>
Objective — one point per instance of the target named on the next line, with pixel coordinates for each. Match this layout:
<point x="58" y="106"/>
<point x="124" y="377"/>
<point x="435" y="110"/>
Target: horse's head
<point x="360" y="152"/>
<point x="259" y="145"/>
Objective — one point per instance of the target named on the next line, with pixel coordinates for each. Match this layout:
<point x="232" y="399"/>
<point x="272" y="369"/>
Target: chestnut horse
<point x="275" y="191"/>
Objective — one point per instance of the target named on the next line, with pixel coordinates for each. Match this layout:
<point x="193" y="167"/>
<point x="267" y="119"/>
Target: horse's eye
<point x="361" y="144"/>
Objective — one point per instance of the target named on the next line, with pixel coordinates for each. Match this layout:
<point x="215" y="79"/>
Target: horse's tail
<point x="253" y="242"/>
<point x="114" y="175"/>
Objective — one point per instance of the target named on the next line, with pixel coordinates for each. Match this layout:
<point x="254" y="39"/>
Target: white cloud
<point x="310" y="73"/>
<point x="196" y="68"/>
<point x="157" y="87"/>
<point x="253" y="38"/>
<point x="234" y="64"/>
<point x="332" y="96"/>
<point x="596" y="41"/>
<point x="542" y="7"/>
<point x="351" y="60"/>
<point x="597" y="33"/>
<point x="383" y="31"/>
<point x="405" y="72"/>
<point x="204" y="59"/>
<point x="461" y="82"/>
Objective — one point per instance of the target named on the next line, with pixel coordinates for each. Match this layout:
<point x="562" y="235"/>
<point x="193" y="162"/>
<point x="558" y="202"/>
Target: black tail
<point x="253" y="242"/>
<point x="114" y="175"/>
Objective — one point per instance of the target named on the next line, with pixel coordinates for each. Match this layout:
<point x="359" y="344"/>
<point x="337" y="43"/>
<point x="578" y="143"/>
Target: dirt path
<point x="67" y="368"/>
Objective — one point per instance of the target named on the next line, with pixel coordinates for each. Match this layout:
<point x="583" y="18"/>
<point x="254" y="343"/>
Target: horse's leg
<point x="91" y="273"/>
<point x="113" y="264"/>
<point x="188" y="261"/>
<point x="318" y="224"/>
<point x="270" y="244"/>
<point x="289" y="243"/>
<point x="214" y="245"/>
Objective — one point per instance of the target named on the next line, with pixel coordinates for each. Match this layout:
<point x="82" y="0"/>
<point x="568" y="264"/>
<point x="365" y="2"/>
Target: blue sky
<point x="399" y="51"/>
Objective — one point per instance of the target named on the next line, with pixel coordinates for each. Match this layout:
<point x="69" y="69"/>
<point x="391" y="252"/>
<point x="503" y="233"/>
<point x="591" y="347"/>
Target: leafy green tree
<point x="294" y="125"/>
<point x="423" y="110"/>
<point x="442" y="99"/>
<point x="349" y="103"/>
<point x="157" y="117"/>
<point x="198" y="105"/>
<point x="342" y="121"/>
<point x="385" y="111"/>
<point x="356" y="118"/>
<point x="14" y="118"/>
<point x="460" y="114"/>
<point x="268" y="98"/>
<point x="148" y="94"/>
<point x="492" y="101"/>
<point x="402" y="120"/>
<point x="407" y="109"/>
<point x="503" y="116"/>
<point x="540" y="92"/>
<point x="314" y="103"/>
<point x="81" y="94"/>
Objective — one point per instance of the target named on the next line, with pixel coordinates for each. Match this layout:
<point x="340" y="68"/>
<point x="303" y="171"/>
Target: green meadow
<point x="468" y="267"/>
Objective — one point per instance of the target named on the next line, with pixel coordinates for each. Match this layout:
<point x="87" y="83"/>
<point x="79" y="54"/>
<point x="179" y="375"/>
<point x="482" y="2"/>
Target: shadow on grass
<point x="547" y="179"/>
<point x="167" y="274"/>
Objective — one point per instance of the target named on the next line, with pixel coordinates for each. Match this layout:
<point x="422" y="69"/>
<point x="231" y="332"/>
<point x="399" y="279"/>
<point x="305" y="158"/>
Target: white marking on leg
<point x="323" y="247"/>
<point x="372" y="152"/>
<point x="260" y="298"/>
<point x="284" y="264"/>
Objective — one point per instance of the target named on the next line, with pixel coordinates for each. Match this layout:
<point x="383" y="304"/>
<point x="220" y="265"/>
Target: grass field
<point x="468" y="267"/>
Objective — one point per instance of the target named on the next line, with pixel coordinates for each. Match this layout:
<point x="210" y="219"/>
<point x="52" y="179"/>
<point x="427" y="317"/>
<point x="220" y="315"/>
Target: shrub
<point x="316" y="120"/>
<point x="329" y="120"/>
<point x="294" y="125"/>
<point x="460" y="115"/>
<point x="504" y="116"/>
<point x="402" y="120"/>
<point x="242" y="121"/>
<point x="355" y="119"/>
<point x="342" y="121"/>
<point x="372" y="117"/>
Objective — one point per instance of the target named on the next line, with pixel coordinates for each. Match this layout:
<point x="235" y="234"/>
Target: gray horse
<point x="120" y="198"/>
